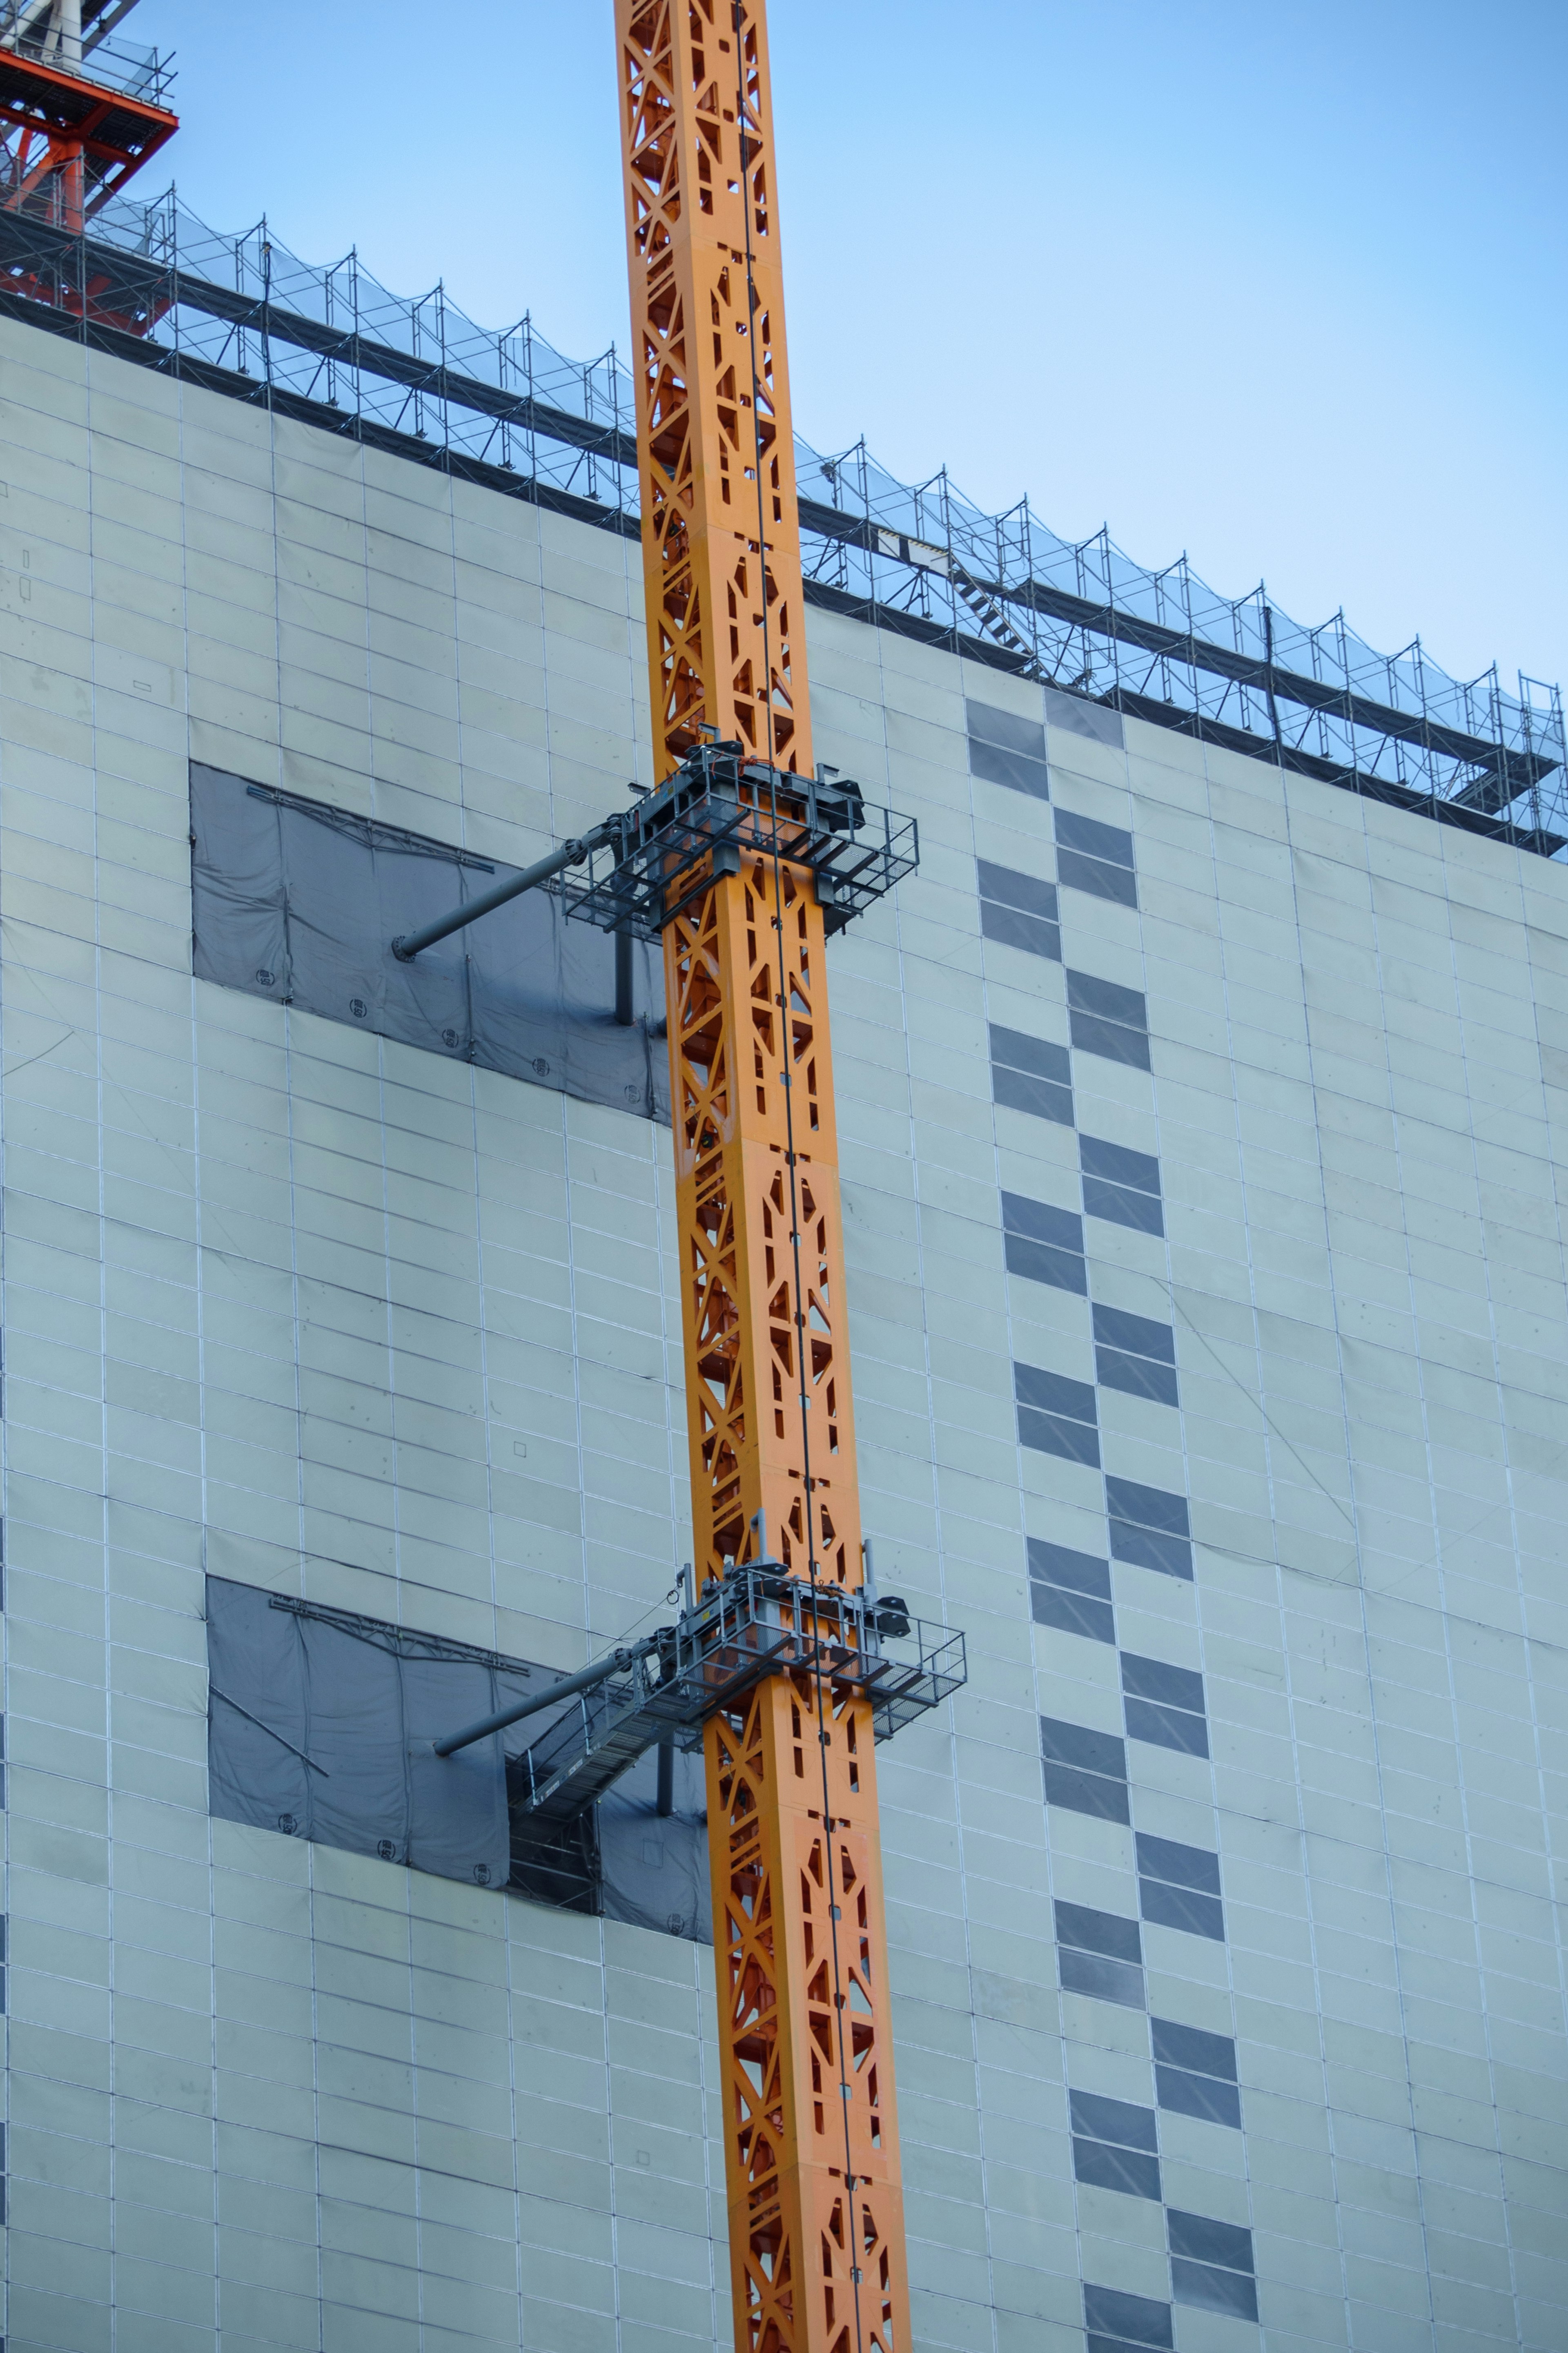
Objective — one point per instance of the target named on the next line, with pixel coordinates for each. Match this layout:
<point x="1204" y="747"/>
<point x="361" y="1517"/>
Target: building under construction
<point x="1198" y="1097"/>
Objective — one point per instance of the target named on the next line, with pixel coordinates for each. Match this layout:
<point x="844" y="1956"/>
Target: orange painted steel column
<point x="721" y="546"/>
<point x="816" y="2236"/>
<point x="817" y="2239"/>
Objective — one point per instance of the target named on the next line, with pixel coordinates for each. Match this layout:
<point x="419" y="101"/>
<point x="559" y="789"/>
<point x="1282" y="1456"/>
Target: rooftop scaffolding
<point x="330" y="346"/>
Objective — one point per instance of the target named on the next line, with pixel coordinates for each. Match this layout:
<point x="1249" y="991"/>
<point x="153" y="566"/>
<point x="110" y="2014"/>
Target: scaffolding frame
<point x="333" y="347"/>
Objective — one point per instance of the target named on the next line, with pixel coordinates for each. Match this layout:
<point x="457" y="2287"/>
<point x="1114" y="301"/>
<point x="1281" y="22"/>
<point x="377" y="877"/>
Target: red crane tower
<point x="79" y="113"/>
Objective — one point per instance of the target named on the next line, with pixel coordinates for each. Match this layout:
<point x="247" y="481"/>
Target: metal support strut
<point x="585" y="1680"/>
<point x="408" y="944"/>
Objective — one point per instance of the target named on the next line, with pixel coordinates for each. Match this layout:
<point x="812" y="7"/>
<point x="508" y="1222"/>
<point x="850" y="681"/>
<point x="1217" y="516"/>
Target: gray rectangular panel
<point x="1059" y="1565"/>
<point x="1087" y="993"/>
<point x="1105" y="2167"/>
<point x="1093" y="838"/>
<point x="1139" y="1333"/>
<point x="1114" y="2313"/>
<point x="1070" y="1590"/>
<point x="1100" y="1979"/>
<point x="1149" y="1507"/>
<point x="1113" y="1041"/>
<point x="1212" y="2290"/>
<point x="1075" y="715"/>
<point x="1136" y="1376"/>
<point x="1039" y="1056"/>
<point x="1148" y="1548"/>
<point x="1054" y="1392"/>
<point x="1098" y="1932"/>
<point x="1079" y="1743"/>
<point x="1190" y="2046"/>
<point x="1039" y="1262"/>
<point x="1166" y="1727"/>
<point x="1049" y="1433"/>
<point x="988" y="724"/>
<point x="1071" y="1613"/>
<point x="1011" y="889"/>
<point x="1184" y="1866"/>
<point x="1204" y="2096"/>
<point x="297" y="901"/>
<point x="1086" y="1793"/>
<point x="1097" y="878"/>
<point x="1183" y="1908"/>
<point x="1042" y="1222"/>
<point x="1119" y="1205"/>
<point x="1010" y="927"/>
<point x="995" y="765"/>
<point x="1156" y="1679"/>
<point x="1117" y="2120"/>
<point x="1119" y="1163"/>
<point x="1017" y="1091"/>
<point x="1207" y="2242"/>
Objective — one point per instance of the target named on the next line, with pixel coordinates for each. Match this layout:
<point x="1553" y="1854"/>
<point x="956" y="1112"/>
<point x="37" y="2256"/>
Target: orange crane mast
<point x="816" y="2209"/>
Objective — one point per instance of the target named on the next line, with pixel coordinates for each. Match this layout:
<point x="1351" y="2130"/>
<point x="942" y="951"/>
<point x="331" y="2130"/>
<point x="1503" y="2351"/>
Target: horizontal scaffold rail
<point x="334" y="349"/>
<point x="1511" y="772"/>
<point x="121" y="284"/>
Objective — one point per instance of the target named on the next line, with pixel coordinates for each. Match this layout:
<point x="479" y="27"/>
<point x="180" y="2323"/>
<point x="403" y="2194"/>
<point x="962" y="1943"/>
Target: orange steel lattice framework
<point x="817" y="2234"/>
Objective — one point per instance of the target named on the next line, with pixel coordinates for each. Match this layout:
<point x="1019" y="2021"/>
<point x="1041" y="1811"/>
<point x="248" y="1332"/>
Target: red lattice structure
<point x="74" y="129"/>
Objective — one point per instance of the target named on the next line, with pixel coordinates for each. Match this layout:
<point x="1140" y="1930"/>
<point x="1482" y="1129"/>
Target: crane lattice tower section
<point x="816" y="2232"/>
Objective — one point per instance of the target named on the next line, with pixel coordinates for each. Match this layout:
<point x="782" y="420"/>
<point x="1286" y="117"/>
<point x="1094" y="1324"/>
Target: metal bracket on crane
<point x="644" y="865"/>
<point x="756" y="1620"/>
<point x="648" y="862"/>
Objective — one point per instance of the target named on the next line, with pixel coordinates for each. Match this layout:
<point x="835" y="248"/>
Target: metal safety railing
<point x="244" y="316"/>
<point x="144" y="74"/>
<point x="644" y="865"/>
<point x="758" y="1620"/>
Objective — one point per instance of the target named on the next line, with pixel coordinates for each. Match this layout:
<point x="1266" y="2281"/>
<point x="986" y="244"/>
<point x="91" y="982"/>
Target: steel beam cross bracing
<point x="816" y="2230"/>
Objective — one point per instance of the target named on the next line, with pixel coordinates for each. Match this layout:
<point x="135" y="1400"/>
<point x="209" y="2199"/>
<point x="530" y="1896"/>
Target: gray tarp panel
<point x="656" y="1872"/>
<point x="362" y="1704"/>
<point x="456" y="1805"/>
<point x="1079" y="716"/>
<point x="320" y="1724"/>
<point x="299" y="902"/>
<point x="353" y="1719"/>
<point x="257" y="1706"/>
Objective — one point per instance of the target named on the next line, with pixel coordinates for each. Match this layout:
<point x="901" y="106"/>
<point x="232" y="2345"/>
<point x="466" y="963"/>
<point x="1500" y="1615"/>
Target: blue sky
<point x="1285" y="288"/>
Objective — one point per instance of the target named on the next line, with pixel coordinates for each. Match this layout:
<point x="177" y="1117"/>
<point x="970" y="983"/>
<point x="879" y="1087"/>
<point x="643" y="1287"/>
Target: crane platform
<point x="647" y="864"/>
<point x="757" y="1621"/>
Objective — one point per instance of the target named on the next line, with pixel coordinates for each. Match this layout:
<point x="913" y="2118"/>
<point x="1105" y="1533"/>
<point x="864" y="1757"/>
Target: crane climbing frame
<point x="816" y="2229"/>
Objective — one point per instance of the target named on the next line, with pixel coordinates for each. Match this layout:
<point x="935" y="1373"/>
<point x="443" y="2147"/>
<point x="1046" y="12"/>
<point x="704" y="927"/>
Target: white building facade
<point x="1203" y="1130"/>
